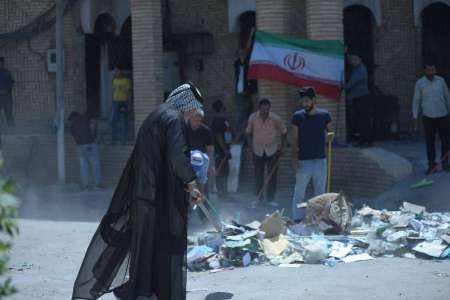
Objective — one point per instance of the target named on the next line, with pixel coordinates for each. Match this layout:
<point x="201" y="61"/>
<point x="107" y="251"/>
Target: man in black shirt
<point x="200" y="138"/>
<point x="84" y="135"/>
<point x="222" y="140"/>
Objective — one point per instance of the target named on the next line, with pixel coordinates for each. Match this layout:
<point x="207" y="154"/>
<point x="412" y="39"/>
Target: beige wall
<point x="33" y="93"/>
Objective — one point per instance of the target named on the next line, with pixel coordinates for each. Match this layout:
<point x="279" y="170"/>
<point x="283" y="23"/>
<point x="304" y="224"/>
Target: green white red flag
<point x="299" y="62"/>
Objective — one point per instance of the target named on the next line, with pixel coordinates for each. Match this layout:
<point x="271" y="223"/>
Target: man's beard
<point x="308" y="109"/>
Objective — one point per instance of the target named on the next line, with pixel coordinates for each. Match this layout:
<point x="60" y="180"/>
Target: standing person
<point x="121" y="97"/>
<point x="200" y="138"/>
<point x="6" y="85"/>
<point x="84" y="133"/>
<point x="431" y="98"/>
<point x="139" y="248"/>
<point x="360" y="102"/>
<point x="266" y="136"/>
<point x="244" y="88"/>
<point x="222" y="140"/>
<point x="309" y="130"/>
<point x="200" y="141"/>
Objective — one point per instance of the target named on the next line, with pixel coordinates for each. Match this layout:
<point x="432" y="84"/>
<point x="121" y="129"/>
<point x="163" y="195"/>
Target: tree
<point x="8" y="230"/>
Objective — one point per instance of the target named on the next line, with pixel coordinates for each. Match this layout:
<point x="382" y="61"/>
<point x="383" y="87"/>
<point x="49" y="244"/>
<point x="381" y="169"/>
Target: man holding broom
<point x="310" y="128"/>
<point x="266" y="135"/>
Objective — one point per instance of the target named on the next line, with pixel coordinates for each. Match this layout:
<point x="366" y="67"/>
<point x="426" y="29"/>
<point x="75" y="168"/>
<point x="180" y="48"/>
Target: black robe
<point x="139" y="246"/>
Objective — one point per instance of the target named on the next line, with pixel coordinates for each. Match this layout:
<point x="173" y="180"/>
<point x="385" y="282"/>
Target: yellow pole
<point x="330" y="139"/>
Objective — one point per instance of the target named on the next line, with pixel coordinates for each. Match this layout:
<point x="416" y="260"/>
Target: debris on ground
<point x="330" y="234"/>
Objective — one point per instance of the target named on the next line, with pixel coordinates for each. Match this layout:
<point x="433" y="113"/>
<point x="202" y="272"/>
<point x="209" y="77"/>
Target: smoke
<point x="63" y="203"/>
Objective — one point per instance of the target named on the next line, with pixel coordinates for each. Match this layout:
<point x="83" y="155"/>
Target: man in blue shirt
<point x="309" y="134"/>
<point x="6" y="85"/>
<point x="359" y="100"/>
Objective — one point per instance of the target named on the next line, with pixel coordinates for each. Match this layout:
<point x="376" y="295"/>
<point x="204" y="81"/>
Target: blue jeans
<point x="88" y="154"/>
<point x="315" y="169"/>
<point x="119" y="121"/>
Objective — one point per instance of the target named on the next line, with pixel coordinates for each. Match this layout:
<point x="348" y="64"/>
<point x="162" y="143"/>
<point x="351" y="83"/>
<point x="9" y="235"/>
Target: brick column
<point x="283" y="17"/>
<point x="271" y="16"/>
<point x="147" y="57"/>
<point x="324" y="21"/>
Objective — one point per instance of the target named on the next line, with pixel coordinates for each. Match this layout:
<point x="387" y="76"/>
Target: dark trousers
<point x="260" y="165"/>
<point x="222" y="177"/>
<point x="119" y="121"/>
<point x="363" y="114"/>
<point x="7" y="105"/>
<point x="440" y="126"/>
<point x="350" y="119"/>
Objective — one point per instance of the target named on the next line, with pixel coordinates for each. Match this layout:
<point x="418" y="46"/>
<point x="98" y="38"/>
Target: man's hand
<point x="330" y="137"/>
<point x="196" y="196"/>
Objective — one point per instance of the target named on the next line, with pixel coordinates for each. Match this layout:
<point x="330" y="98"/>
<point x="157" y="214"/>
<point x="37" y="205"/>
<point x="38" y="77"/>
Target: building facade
<point x="162" y="43"/>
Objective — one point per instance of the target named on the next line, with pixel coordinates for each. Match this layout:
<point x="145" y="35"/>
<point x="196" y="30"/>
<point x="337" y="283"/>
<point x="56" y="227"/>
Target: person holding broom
<point x="266" y="134"/>
<point x="311" y="127"/>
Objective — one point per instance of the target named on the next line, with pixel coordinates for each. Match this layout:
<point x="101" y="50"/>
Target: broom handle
<point x="269" y="178"/>
<point x="329" y="167"/>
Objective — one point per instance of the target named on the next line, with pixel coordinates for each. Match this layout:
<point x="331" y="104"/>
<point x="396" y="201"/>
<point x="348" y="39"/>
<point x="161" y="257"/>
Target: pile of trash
<point x="329" y="235"/>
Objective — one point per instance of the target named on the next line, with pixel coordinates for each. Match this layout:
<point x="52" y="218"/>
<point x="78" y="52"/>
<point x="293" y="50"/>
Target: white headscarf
<point x="183" y="99"/>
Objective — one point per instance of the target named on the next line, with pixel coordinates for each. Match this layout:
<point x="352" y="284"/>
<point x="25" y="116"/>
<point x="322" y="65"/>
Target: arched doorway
<point x="104" y="51"/>
<point x="436" y="37"/>
<point x="246" y="21"/>
<point x="98" y="67"/>
<point x="358" y="36"/>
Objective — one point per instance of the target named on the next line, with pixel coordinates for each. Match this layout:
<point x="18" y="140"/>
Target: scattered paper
<point x="446" y="238"/>
<point x="275" y="246"/>
<point x="290" y="265"/>
<point x="413" y="208"/>
<point x="357" y="257"/>
<point x="244" y="236"/>
<point x="237" y="244"/>
<point x="221" y="270"/>
<point x="199" y="252"/>
<point x="340" y="250"/>
<point x="433" y="249"/>
<point x="368" y="211"/>
<point x="246" y="260"/>
<point x="254" y="225"/>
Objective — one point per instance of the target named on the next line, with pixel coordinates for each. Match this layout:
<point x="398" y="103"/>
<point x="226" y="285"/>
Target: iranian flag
<point x="299" y="62"/>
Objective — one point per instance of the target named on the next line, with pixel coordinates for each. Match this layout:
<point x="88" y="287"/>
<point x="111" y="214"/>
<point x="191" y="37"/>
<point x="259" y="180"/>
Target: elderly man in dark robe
<point x="139" y="247"/>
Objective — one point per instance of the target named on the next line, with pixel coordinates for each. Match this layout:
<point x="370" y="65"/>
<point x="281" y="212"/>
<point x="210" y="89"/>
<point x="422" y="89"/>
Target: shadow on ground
<point x="219" y="296"/>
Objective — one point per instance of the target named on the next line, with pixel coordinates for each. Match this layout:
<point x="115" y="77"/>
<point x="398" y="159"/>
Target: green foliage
<point x="8" y="230"/>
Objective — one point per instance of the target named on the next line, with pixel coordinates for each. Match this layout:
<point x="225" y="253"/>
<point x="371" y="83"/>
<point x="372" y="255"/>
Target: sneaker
<point x="273" y="204"/>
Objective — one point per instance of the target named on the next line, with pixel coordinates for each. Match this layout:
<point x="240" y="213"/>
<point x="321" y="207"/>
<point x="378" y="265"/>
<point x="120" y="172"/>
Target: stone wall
<point x="34" y="90"/>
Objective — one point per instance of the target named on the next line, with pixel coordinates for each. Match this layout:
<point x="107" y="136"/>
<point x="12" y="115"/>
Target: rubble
<point x="411" y="232"/>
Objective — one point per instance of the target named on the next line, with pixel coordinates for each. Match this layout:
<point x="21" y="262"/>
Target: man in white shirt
<point x="432" y="99"/>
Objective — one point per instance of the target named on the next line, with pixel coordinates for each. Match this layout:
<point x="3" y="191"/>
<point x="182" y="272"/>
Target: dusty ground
<point x="48" y="253"/>
<point x="56" y="226"/>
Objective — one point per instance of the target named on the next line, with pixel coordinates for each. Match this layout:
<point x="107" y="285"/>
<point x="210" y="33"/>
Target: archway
<point x="98" y="67"/>
<point x="436" y="37"/>
<point x="246" y="21"/>
<point x="358" y="36"/>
